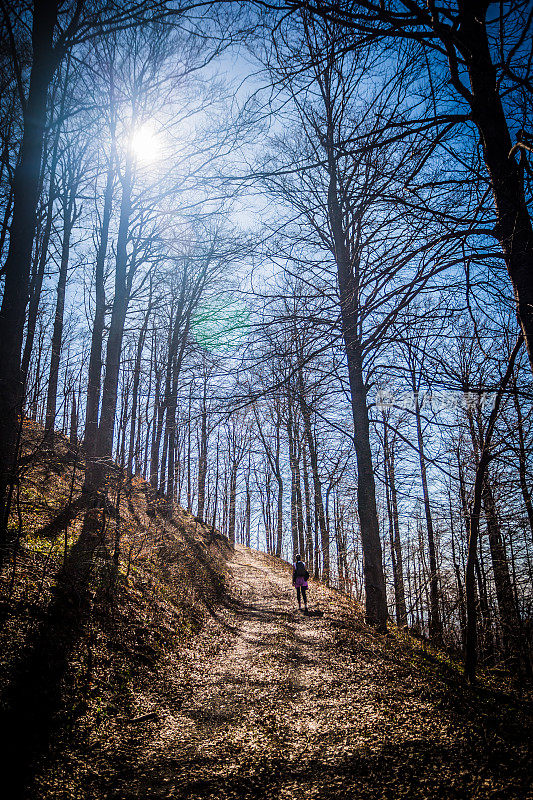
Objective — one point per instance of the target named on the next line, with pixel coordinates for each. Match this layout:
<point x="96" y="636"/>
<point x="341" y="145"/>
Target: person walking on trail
<point x="300" y="576"/>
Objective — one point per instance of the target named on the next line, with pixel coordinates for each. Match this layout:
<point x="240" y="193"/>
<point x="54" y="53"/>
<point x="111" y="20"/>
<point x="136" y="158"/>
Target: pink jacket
<point x="298" y="580"/>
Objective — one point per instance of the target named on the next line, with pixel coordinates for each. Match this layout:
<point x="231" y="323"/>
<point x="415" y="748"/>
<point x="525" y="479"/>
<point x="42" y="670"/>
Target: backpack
<point x="301" y="571"/>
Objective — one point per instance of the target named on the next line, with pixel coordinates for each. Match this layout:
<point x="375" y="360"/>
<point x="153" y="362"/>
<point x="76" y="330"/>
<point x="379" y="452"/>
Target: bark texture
<point x="26" y="186"/>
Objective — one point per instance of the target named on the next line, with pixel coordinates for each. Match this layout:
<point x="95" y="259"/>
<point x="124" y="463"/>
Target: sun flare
<point x="145" y="143"/>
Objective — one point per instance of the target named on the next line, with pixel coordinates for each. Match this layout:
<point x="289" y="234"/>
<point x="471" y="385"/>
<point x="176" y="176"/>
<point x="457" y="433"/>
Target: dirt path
<point x="273" y="704"/>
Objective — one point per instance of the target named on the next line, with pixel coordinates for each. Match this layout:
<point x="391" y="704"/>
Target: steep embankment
<point x="202" y="680"/>
<point x="73" y="664"/>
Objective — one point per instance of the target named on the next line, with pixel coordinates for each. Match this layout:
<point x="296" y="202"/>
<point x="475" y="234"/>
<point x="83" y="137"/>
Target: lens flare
<point x="145" y="143"/>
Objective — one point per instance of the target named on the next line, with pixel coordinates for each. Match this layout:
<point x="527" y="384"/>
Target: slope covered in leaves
<point x="197" y="677"/>
<point x="72" y="677"/>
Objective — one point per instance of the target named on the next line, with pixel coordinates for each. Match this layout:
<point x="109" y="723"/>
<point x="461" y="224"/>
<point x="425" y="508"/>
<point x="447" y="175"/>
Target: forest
<point x="270" y="265"/>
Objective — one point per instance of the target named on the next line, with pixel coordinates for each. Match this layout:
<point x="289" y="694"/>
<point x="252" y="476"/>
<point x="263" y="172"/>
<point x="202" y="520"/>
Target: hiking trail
<point x="269" y="703"/>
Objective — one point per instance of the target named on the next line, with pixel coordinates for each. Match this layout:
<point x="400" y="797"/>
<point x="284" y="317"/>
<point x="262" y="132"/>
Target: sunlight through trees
<point x="272" y="262"/>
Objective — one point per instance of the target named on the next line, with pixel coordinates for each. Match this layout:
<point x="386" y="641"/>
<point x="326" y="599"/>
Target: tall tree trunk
<point x="34" y="405"/>
<point x="57" y="336"/>
<point x="156" y="434"/>
<point x="274" y="461"/>
<point x="339" y="544"/>
<point x="317" y="484"/>
<point x="435" y="625"/>
<point x="473" y="531"/>
<point x="460" y="589"/>
<point x="247" y="513"/>
<point x="202" y="460"/>
<point x="513" y="228"/>
<point x="232" y="502"/>
<point x="98" y="464"/>
<point x="522" y="458"/>
<point x="290" y="440"/>
<point x="94" y="376"/>
<point x="171" y="432"/>
<point x="308" y="523"/>
<point x="120" y="450"/>
<point x="343" y="560"/>
<point x="169" y="441"/>
<point x="299" y="503"/>
<point x="26" y="181"/>
<point x="393" y="554"/>
<point x="376" y="612"/>
<point x="38" y="276"/>
<point x="225" y="502"/>
<point x="509" y="619"/>
<point x="135" y="388"/>
<point x="296" y="491"/>
<point x="394" y="531"/>
<point x="376" y="601"/>
<point x="215" y="503"/>
<point x="486" y="639"/>
<point x="279" y="516"/>
<point x="294" y="524"/>
<point x="266" y="507"/>
<point x="149" y="411"/>
<point x="73" y="435"/>
<point x="169" y="401"/>
<point x="397" y="539"/>
<point x="189" y="453"/>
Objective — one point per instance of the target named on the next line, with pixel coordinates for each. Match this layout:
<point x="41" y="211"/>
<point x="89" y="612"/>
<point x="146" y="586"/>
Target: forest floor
<point x="197" y="676"/>
<point x="270" y="703"/>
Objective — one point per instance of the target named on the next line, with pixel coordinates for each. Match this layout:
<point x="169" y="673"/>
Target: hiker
<point x="299" y="581"/>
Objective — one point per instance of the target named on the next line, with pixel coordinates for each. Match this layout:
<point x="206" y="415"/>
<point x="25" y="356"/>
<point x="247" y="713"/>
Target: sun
<point x="145" y="143"/>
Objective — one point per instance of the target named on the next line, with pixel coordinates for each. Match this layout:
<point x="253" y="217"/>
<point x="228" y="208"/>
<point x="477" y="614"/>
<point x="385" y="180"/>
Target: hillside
<point x="195" y="676"/>
<point x="73" y="670"/>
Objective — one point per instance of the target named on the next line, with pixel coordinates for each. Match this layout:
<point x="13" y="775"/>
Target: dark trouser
<point x="303" y="590"/>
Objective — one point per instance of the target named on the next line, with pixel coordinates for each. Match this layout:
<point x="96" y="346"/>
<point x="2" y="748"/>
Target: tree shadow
<point x="32" y="701"/>
<point x="416" y="767"/>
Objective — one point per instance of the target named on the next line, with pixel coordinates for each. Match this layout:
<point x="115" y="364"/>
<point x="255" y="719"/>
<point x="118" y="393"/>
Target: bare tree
<point x="489" y="92"/>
